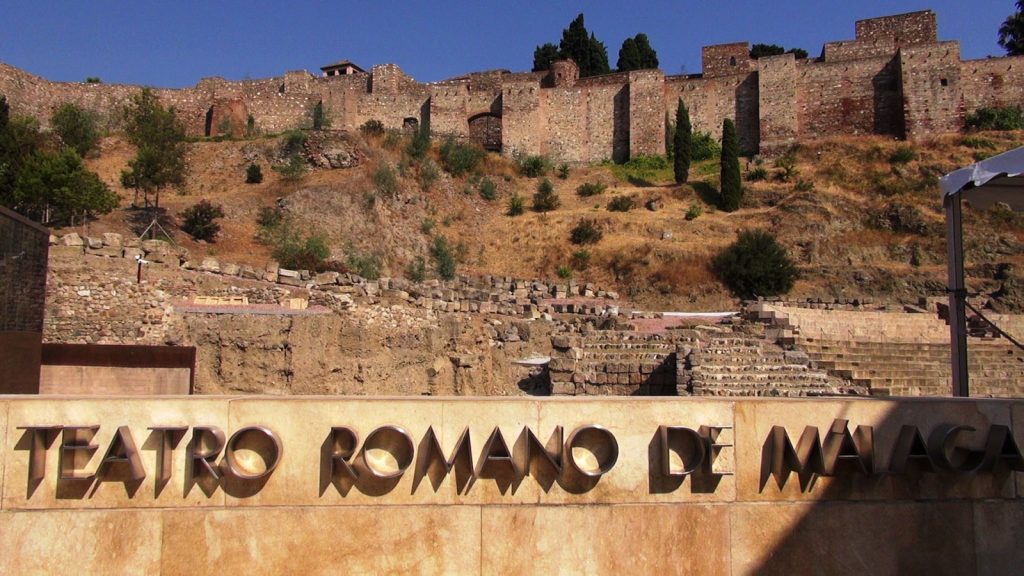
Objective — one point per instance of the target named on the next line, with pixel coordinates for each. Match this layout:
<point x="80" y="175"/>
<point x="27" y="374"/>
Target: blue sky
<point x="175" y="44"/>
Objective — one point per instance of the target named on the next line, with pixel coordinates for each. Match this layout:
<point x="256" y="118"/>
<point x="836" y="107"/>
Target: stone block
<point x="155" y="246"/>
<point x="285" y="273"/>
<point x="290" y="281"/>
<point x="132" y="253"/>
<point x="72" y="239"/>
<point x="230" y="269"/>
<point x="112" y="239"/>
<point x="209" y="265"/>
<point x="326" y="278"/>
<point x="107" y="251"/>
<point x="249" y="272"/>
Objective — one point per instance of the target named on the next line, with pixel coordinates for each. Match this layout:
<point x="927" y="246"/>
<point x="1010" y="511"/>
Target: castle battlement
<point x="895" y="78"/>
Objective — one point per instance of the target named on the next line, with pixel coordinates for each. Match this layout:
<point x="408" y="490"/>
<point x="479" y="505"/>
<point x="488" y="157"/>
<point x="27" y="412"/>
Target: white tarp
<point x="995" y="179"/>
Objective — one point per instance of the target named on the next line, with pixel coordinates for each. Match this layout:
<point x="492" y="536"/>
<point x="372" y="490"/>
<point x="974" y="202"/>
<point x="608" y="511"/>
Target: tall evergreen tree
<point x="544" y="55"/>
<point x="584" y="48"/>
<point x="1011" y="33"/>
<point x="598" y="57"/>
<point x="160" y="141"/>
<point x="5" y="112"/>
<point x="648" y="57"/>
<point x="732" y="186"/>
<point x="629" y="57"/>
<point x="683" y="144"/>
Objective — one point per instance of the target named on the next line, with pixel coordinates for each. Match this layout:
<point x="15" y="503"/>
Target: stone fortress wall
<point x="894" y="78"/>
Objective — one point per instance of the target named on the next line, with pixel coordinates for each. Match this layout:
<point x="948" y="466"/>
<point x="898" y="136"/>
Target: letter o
<point x="263" y="443"/>
<point x="600" y="443"/>
<point x="394" y="441"/>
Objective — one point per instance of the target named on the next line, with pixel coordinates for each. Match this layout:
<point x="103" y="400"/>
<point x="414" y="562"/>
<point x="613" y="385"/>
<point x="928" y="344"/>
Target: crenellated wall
<point x="894" y="78"/>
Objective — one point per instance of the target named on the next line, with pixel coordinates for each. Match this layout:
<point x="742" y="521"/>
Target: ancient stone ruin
<point x="895" y="78"/>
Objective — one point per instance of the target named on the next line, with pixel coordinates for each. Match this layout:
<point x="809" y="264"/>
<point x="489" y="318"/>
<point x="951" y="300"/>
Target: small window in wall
<point x="732" y="61"/>
<point x="410" y="125"/>
<point x="944" y="81"/>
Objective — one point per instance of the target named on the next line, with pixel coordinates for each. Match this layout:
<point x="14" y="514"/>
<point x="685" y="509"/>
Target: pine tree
<point x="732" y="187"/>
<point x="1011" y="33"/>
<point x="682" y="144"/>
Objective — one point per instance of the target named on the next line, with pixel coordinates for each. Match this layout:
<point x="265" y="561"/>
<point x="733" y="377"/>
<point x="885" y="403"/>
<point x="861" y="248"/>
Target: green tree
<point x="76" y="127"/>
<point x="56" y="187"/>
<point x="629" y="56"/>
<point x="200" y="220"/>
<point x="732" y="185"/>
<point x="637" y="54"/>
<point x="159" y="138"/>
<point x="544" y="55"/>
<point x="545" y="200"/>
<point x="682" y="144"/>
<point x="19" y="139"/>
<point x="584" y="48"/>
<point x="1011" y="32"/>
<point x="762" y="50"/>
<point x="253" y="174"/>
<point x="5" y="112"/>
<point x="444" y="258"/>
<point x="755" y="265"/>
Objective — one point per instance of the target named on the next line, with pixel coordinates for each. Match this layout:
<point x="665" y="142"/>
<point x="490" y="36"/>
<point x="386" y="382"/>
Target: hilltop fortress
<point x="894" y="79"/>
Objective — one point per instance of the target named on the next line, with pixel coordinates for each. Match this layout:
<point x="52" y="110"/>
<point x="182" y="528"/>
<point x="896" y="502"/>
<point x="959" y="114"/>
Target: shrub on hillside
<point x="253" y="174"/>
<point x="902" y="155"/>
<point x="586" y="232"/>
<point x="621" y="204"/>
<point x="459" y="158"/>
<point x="488" y="189"/>
<point x="704" y="147"/>
<point x="755" y="265"/>
<point x="200" y="220"/>
<point x="444" y="258"/>
<point x="516" y="205"/>
<point x="533" y="166"/>
<point x="385" y="180"/>
<point x="590" y="189"/>
<point x="372" y="127"/>
<point x="545" y="200"/>
<point x="1006" y="118"/>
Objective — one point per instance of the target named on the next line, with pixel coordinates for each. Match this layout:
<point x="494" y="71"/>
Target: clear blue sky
<point x="174" y="44"/>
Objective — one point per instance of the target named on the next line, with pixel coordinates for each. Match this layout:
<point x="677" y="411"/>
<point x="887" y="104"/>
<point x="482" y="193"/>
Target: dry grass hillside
<point x="860" y="216"/>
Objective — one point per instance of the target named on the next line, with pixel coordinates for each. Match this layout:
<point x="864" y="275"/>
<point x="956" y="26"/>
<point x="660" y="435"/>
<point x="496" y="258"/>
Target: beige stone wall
<point x="733" y="517"/>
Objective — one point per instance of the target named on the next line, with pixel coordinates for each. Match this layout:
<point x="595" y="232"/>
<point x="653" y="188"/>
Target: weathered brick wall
<point x="855" y="98"/>
<point x="893" y="79"/>
<point x="992" y="82"/>
<point x="24" y="246"/>
<point x="726" y="59"/>
<point x="777" y="100"/>
<point x="646" y="113"/>
<point x="911" y="28"/>
<point x="710" y="100"/>
<point x="858" y="49"/>
<point x="523" y="113"/>
<point x="930" y="79"/>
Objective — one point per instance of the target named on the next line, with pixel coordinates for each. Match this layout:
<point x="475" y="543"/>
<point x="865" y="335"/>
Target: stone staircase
<point x="895" y="353"/>
<point x="613" y="362"/>
<point x="733" y="365"/>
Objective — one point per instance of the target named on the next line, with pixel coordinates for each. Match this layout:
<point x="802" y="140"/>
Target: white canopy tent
<point x="996" y="179"/>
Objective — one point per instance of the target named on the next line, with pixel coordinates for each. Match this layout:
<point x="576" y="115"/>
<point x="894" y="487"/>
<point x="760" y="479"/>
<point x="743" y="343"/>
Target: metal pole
<point x="957" y="295"/>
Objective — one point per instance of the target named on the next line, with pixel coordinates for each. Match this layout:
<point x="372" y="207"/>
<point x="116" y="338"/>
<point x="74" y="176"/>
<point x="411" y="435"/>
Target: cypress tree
<point x="5" y="112"/>
<point x="629" y="58"/>
<point x="543" y="56"/>
<point x="682" y="144"/>
<point x="732" y="188"/>
<point x="647" y="56"/>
